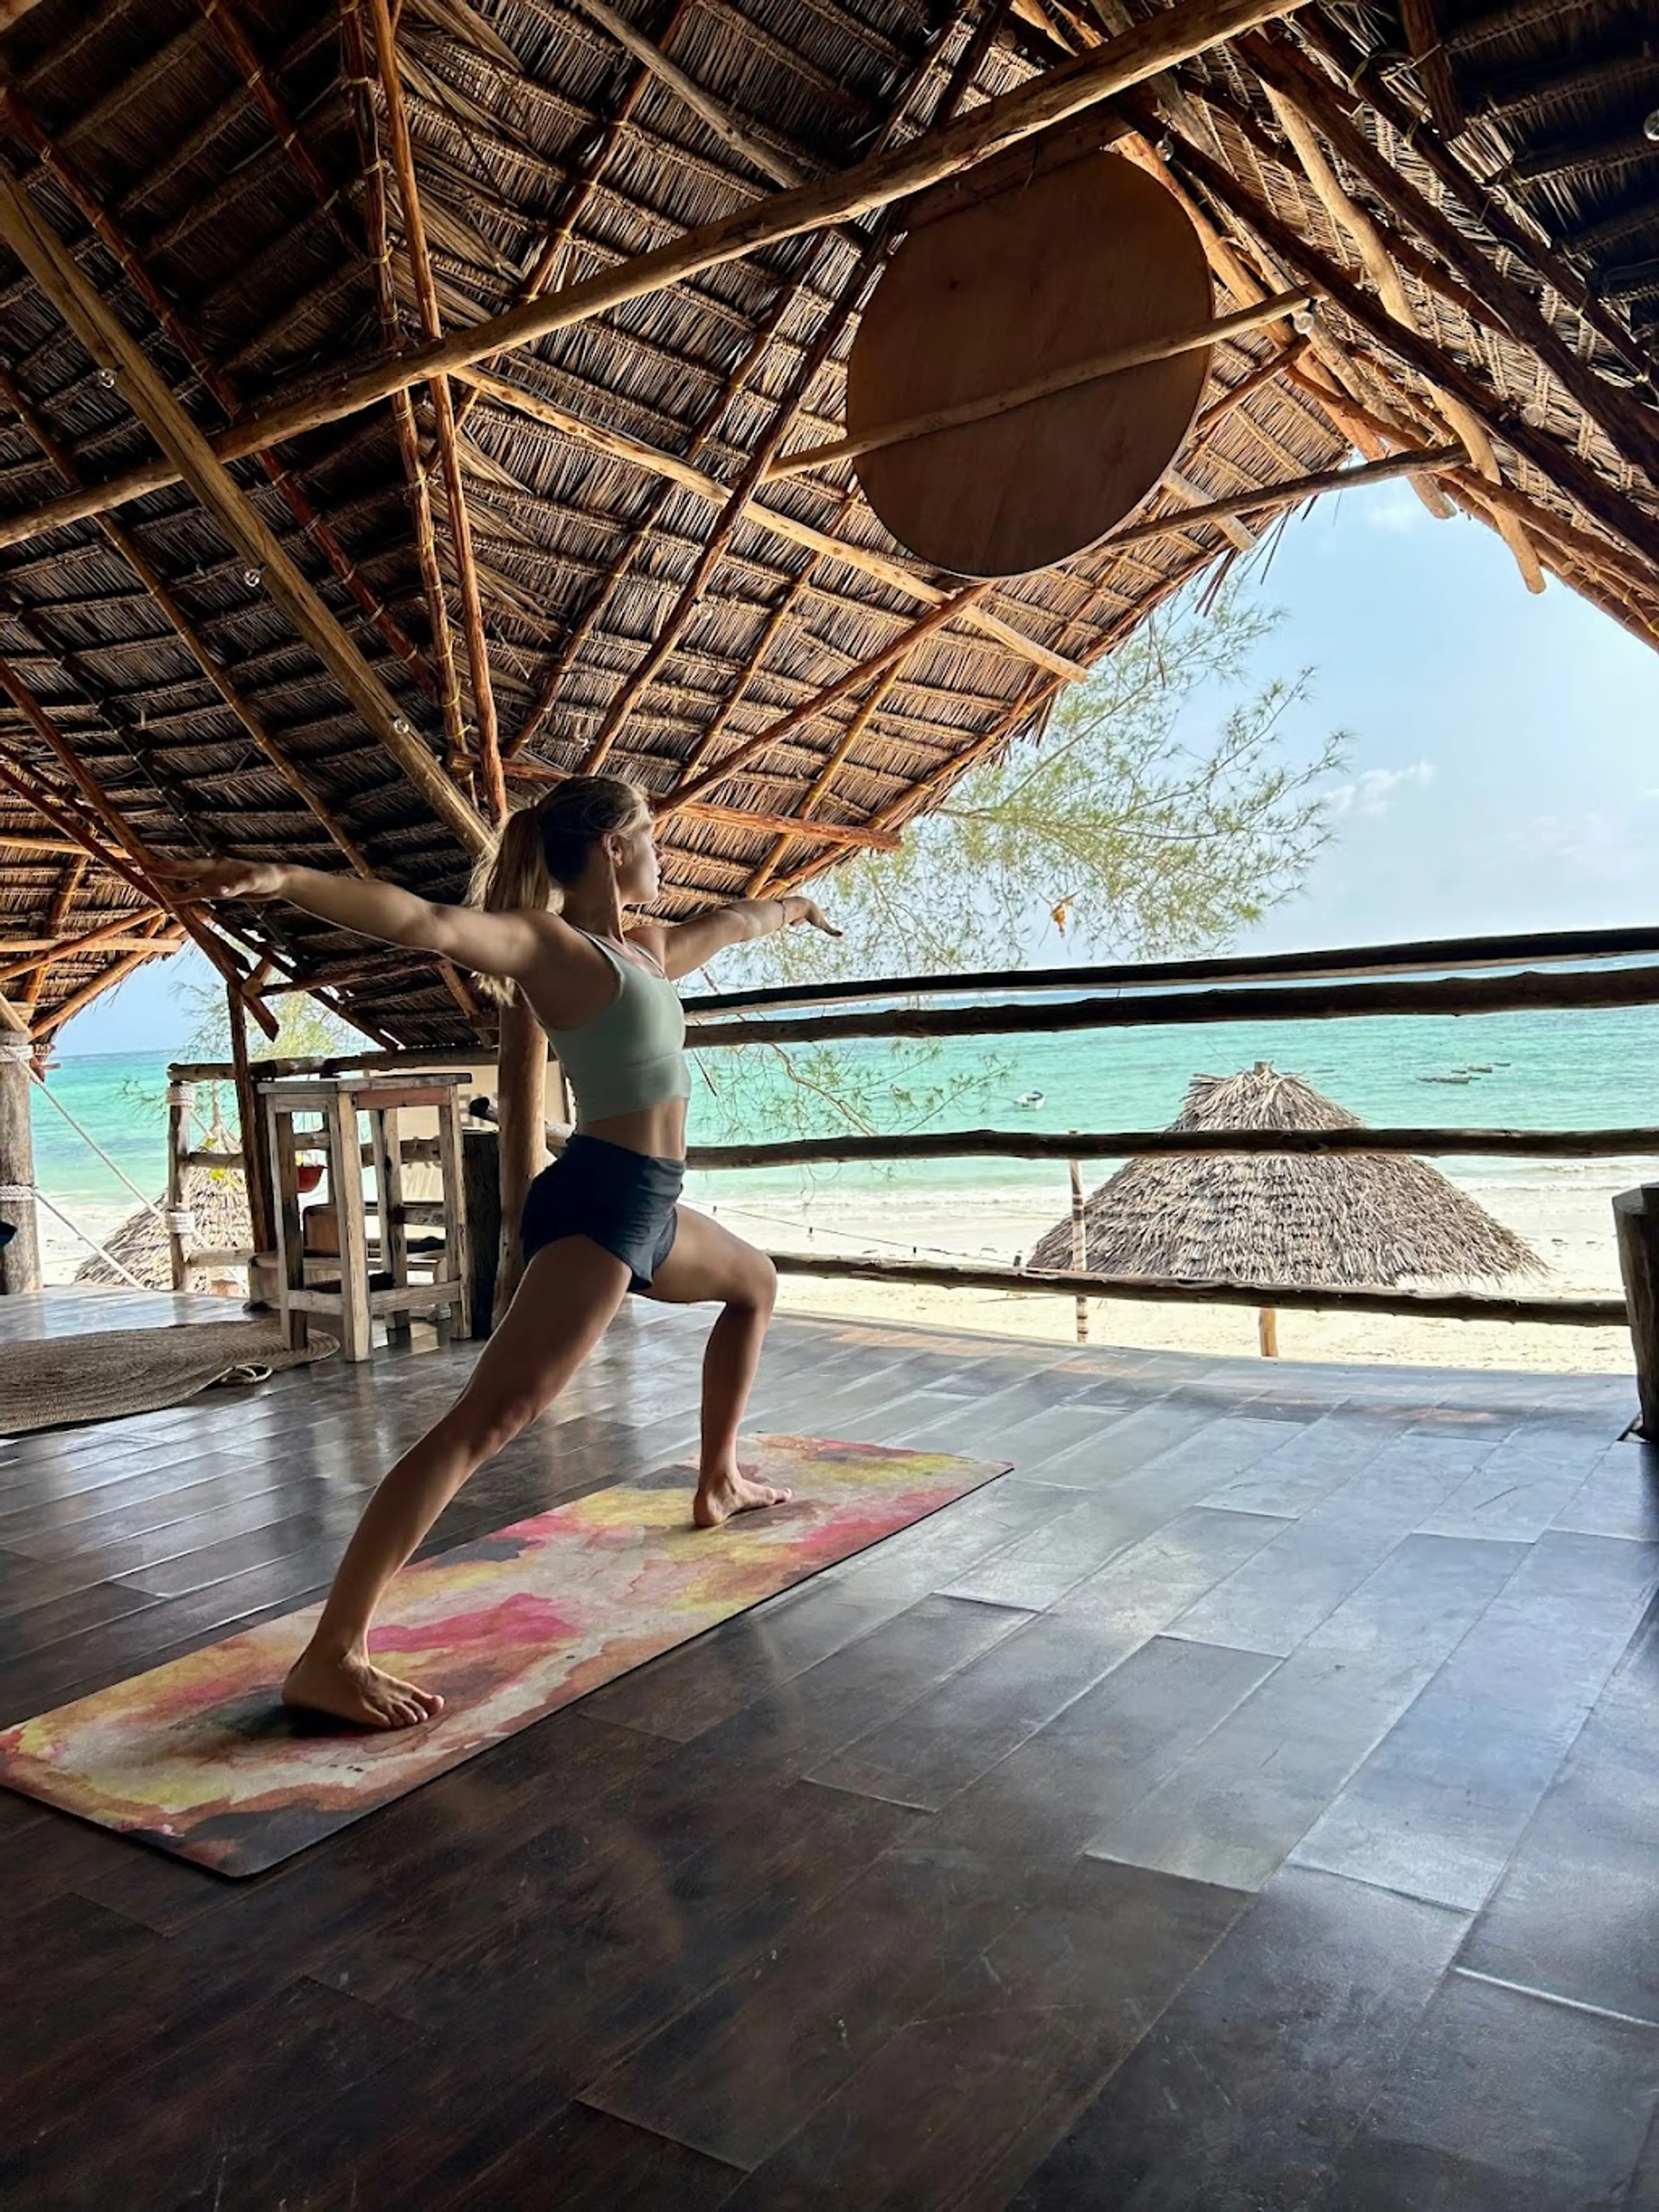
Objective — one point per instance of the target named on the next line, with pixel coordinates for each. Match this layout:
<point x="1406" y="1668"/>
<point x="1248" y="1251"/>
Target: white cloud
<point x="1393" y="508"/>
<point x="1375" y="792"/>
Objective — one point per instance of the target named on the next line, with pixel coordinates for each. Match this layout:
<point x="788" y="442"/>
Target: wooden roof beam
<point x="1509" y="309"/>
<point x="425" y="292"/>
<point x="86" y="199"/>
<point x="107" y="339"/>
<point x="139" y="866"/>
<point x="1349" y="219"/>
<point x="1576" y="480"/>
<point x="882" y="568"/>
<point x="403" y="409"/>
<point x="79" y="1000"/>
<point x="197" y="645"/>
<point x="56" y="922"/>
<point x="1174" y="34"/>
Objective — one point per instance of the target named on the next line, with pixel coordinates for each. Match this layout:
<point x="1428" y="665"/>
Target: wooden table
<point x="357" y="1299"/>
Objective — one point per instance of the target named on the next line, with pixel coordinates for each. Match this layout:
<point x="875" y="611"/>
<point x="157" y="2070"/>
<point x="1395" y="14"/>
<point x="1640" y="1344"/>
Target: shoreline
<point x="1564" y="1215"/>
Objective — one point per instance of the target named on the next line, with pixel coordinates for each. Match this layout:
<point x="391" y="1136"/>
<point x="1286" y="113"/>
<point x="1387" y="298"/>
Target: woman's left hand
<point x="803" y="909"/>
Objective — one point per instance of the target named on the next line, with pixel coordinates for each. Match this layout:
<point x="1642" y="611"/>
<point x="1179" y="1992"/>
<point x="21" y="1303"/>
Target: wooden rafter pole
<point x="732" y="512"/>
<point x="1349" y="219"/>
<point x="866" y="672"/>
<point x="139" y="866"/>
<point x="86" y="198"/>
<point x="736" y="817"/>
<point x="583" y="184"/>
<point x="24" y="841"/>
<point x="460" y="527"/>
<point x="58" y="916"/>
<point x="134" y="554"/>
<point x="1630" y="428"/>
<point x="112" y="934"/>
<point x="735" y="504"/>
<point x="1432" y="458"/>
<point x="882" y="568"/>
<point x="1173" y="35"/>
<point x="791" y="833"/>
<point x="79" y="999"/>
<point x="56" y="272"/>
<point x="1092" y="370"/>
<point x="403" y="409"/>
<point x="1576" y="480"/>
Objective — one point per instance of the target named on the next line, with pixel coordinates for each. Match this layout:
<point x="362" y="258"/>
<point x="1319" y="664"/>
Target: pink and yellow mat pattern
<point x="198" y="1758"/>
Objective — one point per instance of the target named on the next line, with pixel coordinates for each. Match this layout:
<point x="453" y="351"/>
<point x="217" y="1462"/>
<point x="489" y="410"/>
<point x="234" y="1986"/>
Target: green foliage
<point x="1143" y="821"/>
<point x="1159" y="811"/>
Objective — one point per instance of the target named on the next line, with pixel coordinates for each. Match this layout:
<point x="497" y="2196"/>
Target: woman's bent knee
<point x="489" y="1427"/>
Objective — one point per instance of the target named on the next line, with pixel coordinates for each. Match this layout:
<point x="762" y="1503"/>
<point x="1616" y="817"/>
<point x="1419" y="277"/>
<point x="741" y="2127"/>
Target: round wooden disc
<point x="994" y="295"/>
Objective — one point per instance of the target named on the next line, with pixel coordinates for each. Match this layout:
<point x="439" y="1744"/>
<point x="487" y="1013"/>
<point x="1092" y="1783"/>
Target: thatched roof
<point x="227" y="181"/>
<point x="218" y="1198"/>
<point x="1377" y="1218"/>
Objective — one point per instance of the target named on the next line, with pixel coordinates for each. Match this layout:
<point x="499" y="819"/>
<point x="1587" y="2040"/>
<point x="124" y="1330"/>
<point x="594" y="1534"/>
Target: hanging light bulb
<point x="1650" y="127"/>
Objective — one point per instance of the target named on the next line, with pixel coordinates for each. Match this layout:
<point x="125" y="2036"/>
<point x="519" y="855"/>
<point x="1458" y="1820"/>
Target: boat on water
<point x="1445" y="1079"/>
<point x="1030" y="1098"/>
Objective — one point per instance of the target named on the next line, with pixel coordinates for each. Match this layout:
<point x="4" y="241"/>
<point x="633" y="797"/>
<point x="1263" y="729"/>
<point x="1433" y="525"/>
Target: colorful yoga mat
<point x="198" y="1757"/>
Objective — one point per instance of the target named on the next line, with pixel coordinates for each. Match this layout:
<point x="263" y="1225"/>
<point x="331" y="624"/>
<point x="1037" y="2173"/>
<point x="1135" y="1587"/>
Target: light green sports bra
<point x="630" y="1054"/>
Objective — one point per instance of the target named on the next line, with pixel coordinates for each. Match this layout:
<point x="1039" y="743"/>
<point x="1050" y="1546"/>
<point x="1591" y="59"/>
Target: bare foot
<point x="720" y="1496"/>
<point x="353" y="1689"/>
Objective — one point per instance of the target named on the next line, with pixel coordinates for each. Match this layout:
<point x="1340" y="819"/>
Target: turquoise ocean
<point x="1581" y="1069"/>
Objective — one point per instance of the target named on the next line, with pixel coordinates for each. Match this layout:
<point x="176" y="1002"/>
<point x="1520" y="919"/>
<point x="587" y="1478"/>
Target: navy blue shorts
<point x="621" y="1201"/>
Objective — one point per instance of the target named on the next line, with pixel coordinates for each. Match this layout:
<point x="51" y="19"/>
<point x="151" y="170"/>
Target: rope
<point x="16" y="1052"/>
<point x="181" y="1094"/>
<point x="180" y="1221"/>
<point x="47" y="1092"/>
<point x="10" y="1190"/>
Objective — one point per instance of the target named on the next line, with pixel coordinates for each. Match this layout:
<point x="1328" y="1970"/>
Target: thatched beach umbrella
<point x="218" y="1198"/>
<point x="1372" y="1219"/>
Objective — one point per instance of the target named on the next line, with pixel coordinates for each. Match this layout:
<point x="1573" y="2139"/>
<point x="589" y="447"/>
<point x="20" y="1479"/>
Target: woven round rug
<point x="63" y="1382"/>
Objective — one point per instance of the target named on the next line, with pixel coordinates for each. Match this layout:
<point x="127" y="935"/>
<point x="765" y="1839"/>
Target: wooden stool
<point x="357" y="1300"/>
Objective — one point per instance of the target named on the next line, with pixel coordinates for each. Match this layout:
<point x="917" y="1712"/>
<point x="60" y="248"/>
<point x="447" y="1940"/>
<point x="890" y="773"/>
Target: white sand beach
<point x="1564" y="1213"/>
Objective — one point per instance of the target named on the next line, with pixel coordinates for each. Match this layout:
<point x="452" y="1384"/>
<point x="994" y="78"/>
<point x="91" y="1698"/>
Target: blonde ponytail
<point x="512" y="878"/>
<point x="546" y="846"/>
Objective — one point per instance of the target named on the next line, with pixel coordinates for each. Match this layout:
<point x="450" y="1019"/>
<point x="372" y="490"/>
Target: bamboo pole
<point x="255" y="1161"/>
<point x="182" y="1097"/>
<point x="1092" y="370"/>
<point x="426" y="295"/>
<point x="59" y="277"/>
<point x="1174" y="34"/>
<point x="882" y="568"/>
<point x="1422" y="1306"/>
<point x="14" y="841"/>
<point x="521" y="1097"/>
<point x="1080" y="1247"/>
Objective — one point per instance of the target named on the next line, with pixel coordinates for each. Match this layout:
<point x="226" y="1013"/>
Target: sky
<point x="1504" y="768"/>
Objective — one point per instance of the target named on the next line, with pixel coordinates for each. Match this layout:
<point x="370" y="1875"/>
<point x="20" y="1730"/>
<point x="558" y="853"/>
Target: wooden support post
<point x="1079" y="1245"/>
<point x="20" y="1256"/>
<point x="256" y="1164"/>
<point x="181" y="1096"/>
<point x="345" y="1188"/>
<point x="521" y="1097"/>
<point x="1267" y="1329"/>
<point x="1636" y="1215"/>
<point x="458" y="1254"/>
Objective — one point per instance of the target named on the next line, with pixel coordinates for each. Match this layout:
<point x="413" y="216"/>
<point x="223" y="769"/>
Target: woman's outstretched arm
<point x="682" y="946"/>
<point x="508" y="944"/>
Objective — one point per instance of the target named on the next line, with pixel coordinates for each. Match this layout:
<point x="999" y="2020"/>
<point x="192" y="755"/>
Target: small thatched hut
<point x="1371" y="1219"/>
<point x="218" y="1198"/>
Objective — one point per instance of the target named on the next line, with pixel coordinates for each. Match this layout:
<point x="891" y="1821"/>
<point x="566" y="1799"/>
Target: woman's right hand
<point x="223" y="879"/>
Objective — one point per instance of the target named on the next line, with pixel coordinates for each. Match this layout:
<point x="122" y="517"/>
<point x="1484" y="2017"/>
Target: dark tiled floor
<point x="1247" y="1802"/>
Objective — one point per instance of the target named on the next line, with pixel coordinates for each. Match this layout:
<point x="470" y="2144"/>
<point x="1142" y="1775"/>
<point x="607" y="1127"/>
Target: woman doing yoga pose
<point x="548" y="917"/>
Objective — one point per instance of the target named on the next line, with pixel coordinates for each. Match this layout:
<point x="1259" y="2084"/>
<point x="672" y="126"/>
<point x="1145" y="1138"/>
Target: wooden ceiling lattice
<point x="261" y="591"/>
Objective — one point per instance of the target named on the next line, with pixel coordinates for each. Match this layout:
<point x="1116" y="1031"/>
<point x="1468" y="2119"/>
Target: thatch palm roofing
<point x="575" y="560"/>
<point x="1376" y="1218"/>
